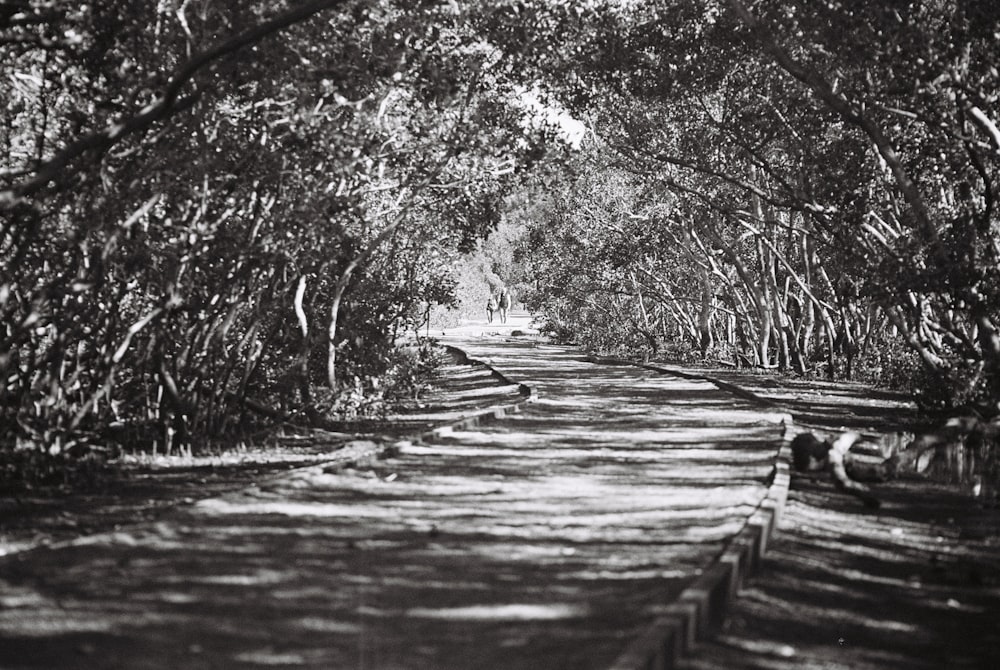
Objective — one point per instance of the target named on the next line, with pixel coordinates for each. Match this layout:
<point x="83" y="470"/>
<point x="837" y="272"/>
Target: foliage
<point x="31" y="464"/>
<point x="831" y="190"/>
<point x="209" y="212"/>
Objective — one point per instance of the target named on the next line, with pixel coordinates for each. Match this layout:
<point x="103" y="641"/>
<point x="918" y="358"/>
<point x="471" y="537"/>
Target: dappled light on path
<point x="547" y="538"/>
<point x="914" y="586"/>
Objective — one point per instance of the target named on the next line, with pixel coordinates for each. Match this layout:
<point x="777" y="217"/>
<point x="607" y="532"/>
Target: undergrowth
<point x="84" y="460"/>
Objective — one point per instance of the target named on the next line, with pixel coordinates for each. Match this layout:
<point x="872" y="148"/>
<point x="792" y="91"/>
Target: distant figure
<point x="491" y="306"/>
<point x="504" y="305"/>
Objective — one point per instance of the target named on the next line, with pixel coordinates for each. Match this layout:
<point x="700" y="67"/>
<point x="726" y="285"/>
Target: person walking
<point x="504" y="305"/>
<point x="491" y="306"/>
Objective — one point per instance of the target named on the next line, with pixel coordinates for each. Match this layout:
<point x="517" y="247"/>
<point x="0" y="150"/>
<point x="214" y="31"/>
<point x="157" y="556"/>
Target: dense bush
<point x="219" y="218"/>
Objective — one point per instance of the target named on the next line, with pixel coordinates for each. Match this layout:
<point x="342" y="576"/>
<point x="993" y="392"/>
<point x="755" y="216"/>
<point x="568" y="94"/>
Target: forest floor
<point x="914" y="584"/>
<point x="141" y="486"/>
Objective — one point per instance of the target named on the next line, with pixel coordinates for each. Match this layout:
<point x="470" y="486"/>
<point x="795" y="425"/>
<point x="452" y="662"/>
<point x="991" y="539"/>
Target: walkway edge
<point x="382" y="448"/>
<point x="700" y="609"/>
<point x="527" y="394"/>
<point x="349" y="453"/>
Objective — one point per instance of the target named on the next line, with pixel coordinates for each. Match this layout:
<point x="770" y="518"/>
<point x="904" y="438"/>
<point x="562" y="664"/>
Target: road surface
<point x="548" y="538"/>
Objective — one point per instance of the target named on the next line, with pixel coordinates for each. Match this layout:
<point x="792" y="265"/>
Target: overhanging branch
<point x="169" y="103"/>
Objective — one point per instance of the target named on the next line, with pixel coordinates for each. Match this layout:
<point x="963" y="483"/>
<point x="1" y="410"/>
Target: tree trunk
<point x="305" y="347"/>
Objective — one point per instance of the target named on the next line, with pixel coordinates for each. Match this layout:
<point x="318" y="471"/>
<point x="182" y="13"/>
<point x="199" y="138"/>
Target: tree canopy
<point x="209" y="212"/>
<point x="829" y="174"/>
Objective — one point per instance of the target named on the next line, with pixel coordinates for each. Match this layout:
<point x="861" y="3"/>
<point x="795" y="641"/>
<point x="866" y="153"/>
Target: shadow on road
<point x="548" y="538"/>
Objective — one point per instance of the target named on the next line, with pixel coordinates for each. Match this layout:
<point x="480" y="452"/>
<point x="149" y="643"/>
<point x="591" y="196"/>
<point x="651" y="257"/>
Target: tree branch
<point x="168" y="104"/>
<point x="838" y="103"/>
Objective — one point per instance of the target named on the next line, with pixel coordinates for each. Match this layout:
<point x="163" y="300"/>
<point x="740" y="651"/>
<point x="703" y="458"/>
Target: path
<point x="546" y="539"/>
<point x="143" y="486"/>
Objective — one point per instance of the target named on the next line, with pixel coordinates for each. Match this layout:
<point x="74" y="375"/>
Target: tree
<point x="937" y="151"/>
<point x="869" y="159"/>
<point x="180" y="225"/>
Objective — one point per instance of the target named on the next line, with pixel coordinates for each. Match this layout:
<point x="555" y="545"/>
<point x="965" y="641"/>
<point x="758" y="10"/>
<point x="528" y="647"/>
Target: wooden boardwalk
<point x="550" y="537"/>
